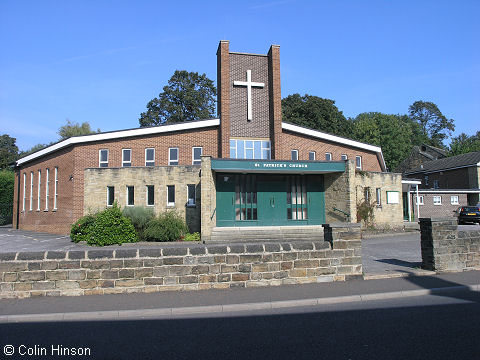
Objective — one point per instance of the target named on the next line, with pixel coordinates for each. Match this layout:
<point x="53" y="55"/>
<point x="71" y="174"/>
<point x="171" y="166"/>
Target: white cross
<point x="249" y="85"/>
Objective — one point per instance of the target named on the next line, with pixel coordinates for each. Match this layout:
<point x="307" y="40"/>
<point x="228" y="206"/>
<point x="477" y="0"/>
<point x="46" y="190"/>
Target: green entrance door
<point x="272" y="203"/>
<point x="405" y="206"/>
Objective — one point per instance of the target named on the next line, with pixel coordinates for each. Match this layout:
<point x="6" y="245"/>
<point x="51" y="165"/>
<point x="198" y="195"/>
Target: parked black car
<point x="468" y="214"/>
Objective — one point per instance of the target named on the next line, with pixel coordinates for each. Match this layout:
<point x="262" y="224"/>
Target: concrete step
<point x="266" y="233"/>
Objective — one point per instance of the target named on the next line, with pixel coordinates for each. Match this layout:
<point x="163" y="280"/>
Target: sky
<point x="102" y="61"/>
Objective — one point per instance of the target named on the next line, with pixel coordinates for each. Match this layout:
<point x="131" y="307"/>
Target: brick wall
<point x="446" y="210"/>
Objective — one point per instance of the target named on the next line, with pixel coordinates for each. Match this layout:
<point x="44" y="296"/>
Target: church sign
<point x="273" y="166"/>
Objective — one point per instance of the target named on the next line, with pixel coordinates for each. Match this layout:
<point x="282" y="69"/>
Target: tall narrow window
<point x="171" y="195"/>
<point x="39" y="188"/>
<point x="311" y="155"/>
<point x="328" y="156"/>
<point x="55" y="190"/>
<point x="47" y="189"/>
<point x="24" y="190"/>
<point x="436" y="184"/>
<point x="196" y="155"/>
<point x="31" y="190"/>
<point x="426" y="179"/>
<point x="358" y="162"/>
<point x="126" y="157"/>
<point x="150" y="157"/>
<point x="173" y="156"/>
<point x="366" y="195"/>
<point x="130" y="196"/>
<point x="110" y="195"/>
<point x="344" y="157"/>
<point x="150" y="195"/>
<point x="191" y="195"/>
<point x="379" y="196"/>
<point x="103" y="158"/>
<point x="294" y="154"/>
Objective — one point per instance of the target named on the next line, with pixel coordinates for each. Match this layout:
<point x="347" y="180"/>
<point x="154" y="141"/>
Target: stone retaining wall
<point x="171" y="267"/>
<point x="445" y="248"/>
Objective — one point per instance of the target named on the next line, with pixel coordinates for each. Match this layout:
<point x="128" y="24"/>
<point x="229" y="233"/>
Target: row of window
<point x="312" y="155"/>
<point x="173" y="156"/>
<point x="437" y="200"/>
<point x="392" y="196"/>
<point x="436" y="183"/>
<point x="150" y="195"/>
<point x="39" y="189"/>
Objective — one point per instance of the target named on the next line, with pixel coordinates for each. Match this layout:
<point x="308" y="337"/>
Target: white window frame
<point x="55" y="190"/>
<point x="170" y="160"/>
<point x="110" y="203"/>
<point x="24" y="190"/>
<point x="39" y="188"/>
<point x="314" y="155"/>
<point x="294" y="151"/>
<point x="454" y="202"/>
<point x="269" y="148"/>
<point x="128" y="197"/>
<point x="194" y="203"/>
<point x="31" y="190"/>
<point x="148" y="162"/>
<point x="344" y="157"/>
<point x="378" y="194"/>
<point x="328" y="156"/>
<point x="243" y="156"/>
<point x="170" y="203"/>
<point x="47" y="189"/>
<point x="199" y="161"/>
<point x="357" y="158"/>
<point x="436" y="198"/>
<point x="393" y="197"/>
<point x="419" y="200"/>
<point x="100" y="162"/>
<point x="123" y="158"/>
<point x="146" y="193"/>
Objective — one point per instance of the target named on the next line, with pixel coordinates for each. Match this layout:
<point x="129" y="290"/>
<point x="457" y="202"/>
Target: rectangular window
<point x="55" y="190"/>
<point x="311" y="155"/>
<point x="233" y="149"/>
<point x="344" y="157"/>
<point x="196" y="155"/>
<point x="419" y="200"/>
<point x="149" y="157"/>
<point x="24" y="190"/>
<point x="31" y="190"/>
<point x="38" y="190"/>
<point x="150" y="195"/>
<point x="294" y="154"/>
<point x="366" y="195"/>
<point x="47" y="190"/>
<point x="126" y="157"/>
<point x="173" y="156"/>
<point x="249" y="149"/>
<point x="328" y="156"/>
<point x="103" y="158"/>
<point x="110" y="195"/>
<point x="392" y="197"/>
<point x="130" y="196"/>
<point x="426" y="179"/>
<point x="358" y="162"/>
<point x="435" y="184"/>
<point x="437" y="200"/>
<point x="454" y="200"/>
<point x="170" y="195"/>
<point x="191" y="195"/>
<point x="379" y="196"/>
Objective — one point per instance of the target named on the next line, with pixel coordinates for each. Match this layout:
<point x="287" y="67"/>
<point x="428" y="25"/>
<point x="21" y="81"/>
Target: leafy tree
<point x="33" y="149"/>
<point x="315" y="113"/>
<point x="187" y="97"/>
<point x="393" y="133"/>
<point x="434" y="125"/>
<point x="463" y="144"/>
<point x="70" y="129"/>
<point x="7" y="180"/>
<point x="8" y="151"/>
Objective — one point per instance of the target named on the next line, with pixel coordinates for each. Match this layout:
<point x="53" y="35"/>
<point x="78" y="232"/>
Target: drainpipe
<point x="18" y="199"/>
<point x="409" y="204"/>
<point x="418" y="206"/>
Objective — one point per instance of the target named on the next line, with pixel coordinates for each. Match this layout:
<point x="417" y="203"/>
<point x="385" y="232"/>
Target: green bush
<point x="192" y="237"/>
<point x="7" y="180"/>
<point x="82" y="228"/>
<point x="168" y="226"/>
<point x="139" y="216"/>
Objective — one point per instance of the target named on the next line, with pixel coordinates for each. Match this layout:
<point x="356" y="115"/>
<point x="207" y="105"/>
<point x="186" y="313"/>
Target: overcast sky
<point x="102" y="61"/>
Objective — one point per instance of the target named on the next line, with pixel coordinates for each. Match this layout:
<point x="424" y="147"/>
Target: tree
<point x="8" y="151"/>
<point x="393" y="133"/>
<point x="463" y="144"/>
<point x="70" y="129"/>
<point x="315" y="113"/>
<point x="187" y="97"/>
<point x="7" y="181"/>
<point x="434" y="125"/>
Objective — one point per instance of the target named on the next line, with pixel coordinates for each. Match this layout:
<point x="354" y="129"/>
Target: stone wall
<point x="208" y="199"/>
<point x="339" y="194"/>
<point x="445" y="248"/>
<point x="178" y="267"/>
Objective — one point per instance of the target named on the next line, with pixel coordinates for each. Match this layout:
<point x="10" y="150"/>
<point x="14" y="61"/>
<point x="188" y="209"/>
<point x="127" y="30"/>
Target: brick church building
<point x="244" y="168"/>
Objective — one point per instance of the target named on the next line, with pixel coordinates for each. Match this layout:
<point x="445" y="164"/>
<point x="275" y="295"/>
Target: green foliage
<point x="463" y="144"/>
<point x="365" y="213"/>
<point x="139" y="216"/>
<point x="315" y="113"/>
<point x="82" y="229"/>
<point x="168" y="226"/>
<point x="33" y="149"/>
<point x="192" y="237"/>
<point x="7" y="181"/>
<point x="8" y="151"/>
<point x="70" y="129"/>
<point x="187" y="97"/>
<point x="435" y="127"/>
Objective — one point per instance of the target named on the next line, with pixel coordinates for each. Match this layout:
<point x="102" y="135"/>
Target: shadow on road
<point x="398" y="262"/>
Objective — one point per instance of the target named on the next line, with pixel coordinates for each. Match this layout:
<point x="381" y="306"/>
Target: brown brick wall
<point x="223" y="103"/>
<point x="275" y="98"/>
<point x="446" y="210"/>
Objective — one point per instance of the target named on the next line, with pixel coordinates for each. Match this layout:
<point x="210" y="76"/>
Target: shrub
<point x="111" y="227"/>
<point x="82" y="228"/>
<point x="192" y="237"/>
<point x="7" y="180"/>
<point x="139" y="216"/>
<point x="168" y="226"/>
